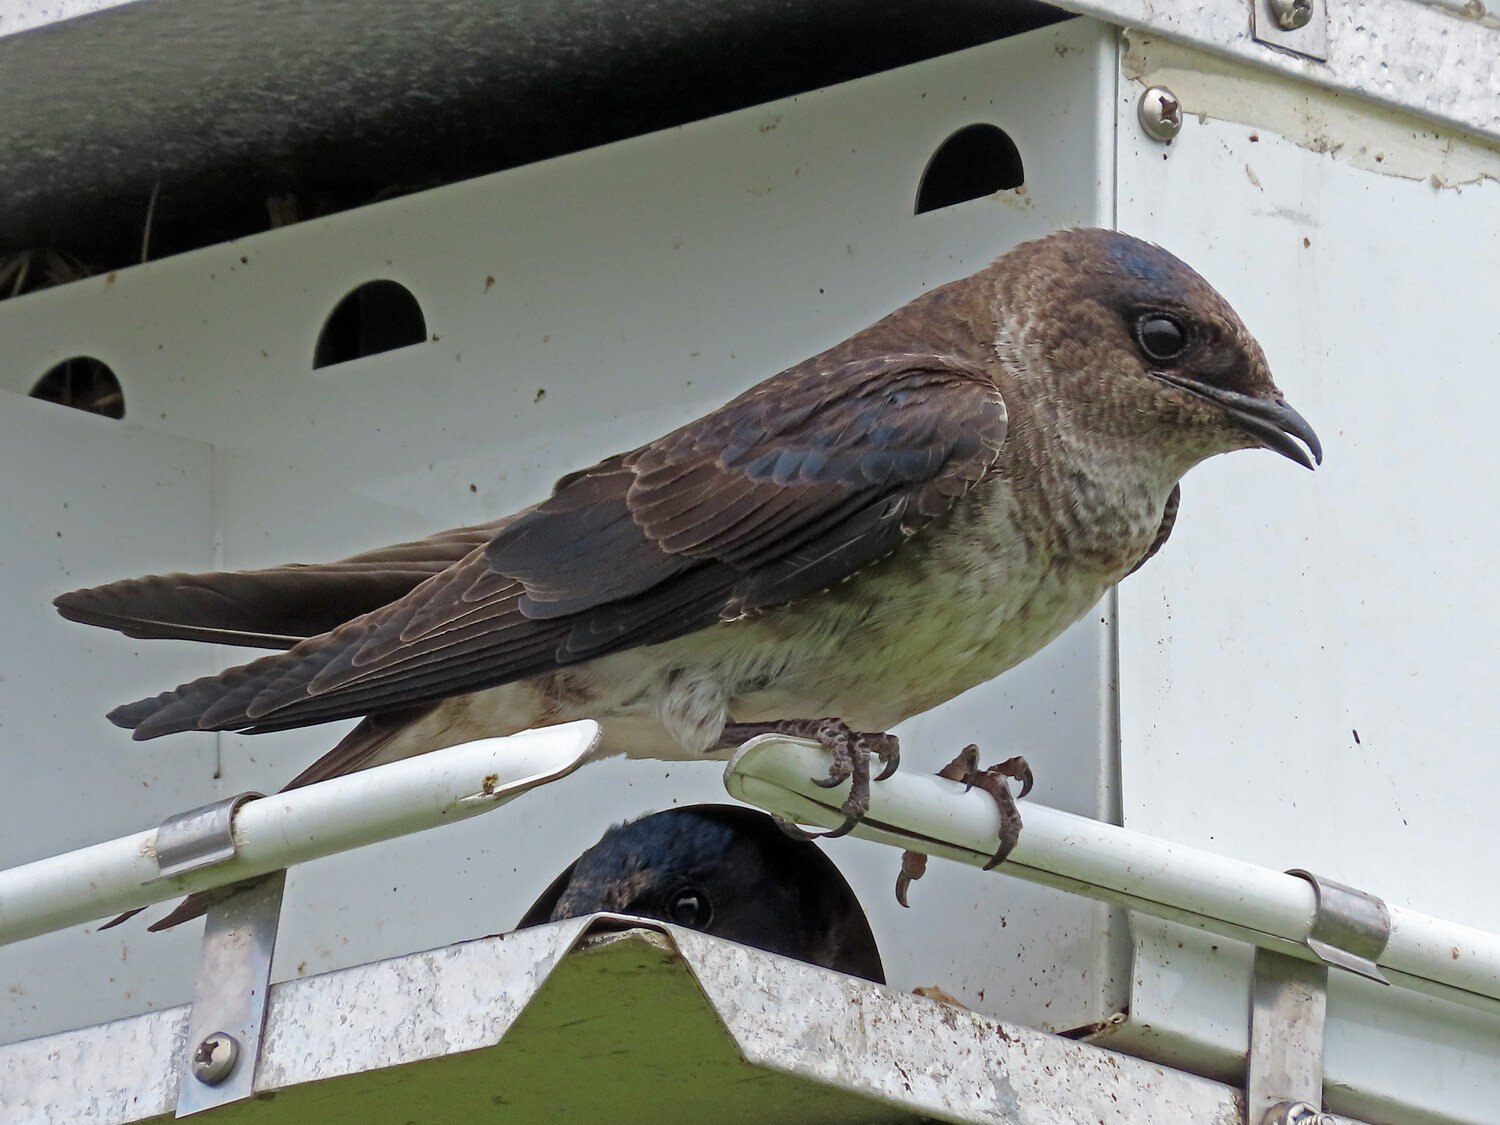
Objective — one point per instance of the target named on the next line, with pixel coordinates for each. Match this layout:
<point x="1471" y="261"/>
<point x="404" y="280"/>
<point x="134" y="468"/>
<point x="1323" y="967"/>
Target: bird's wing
<point x="271" y="608"/>
<point x="781" y="493"/>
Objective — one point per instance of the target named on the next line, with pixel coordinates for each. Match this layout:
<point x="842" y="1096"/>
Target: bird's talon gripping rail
<point x="1268" y="909"/>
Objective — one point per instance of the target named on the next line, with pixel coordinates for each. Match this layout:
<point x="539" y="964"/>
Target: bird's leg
<point x="994" y="781"/>
<point x="851" y="750"/>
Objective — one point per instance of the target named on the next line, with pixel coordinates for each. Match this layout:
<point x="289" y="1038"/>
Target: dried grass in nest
<point x="29" y="270"/>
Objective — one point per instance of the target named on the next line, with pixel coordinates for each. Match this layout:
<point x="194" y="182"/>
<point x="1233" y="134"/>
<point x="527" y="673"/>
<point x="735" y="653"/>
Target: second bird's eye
<point x="1161" y="337"/>
<point x="690" y="907"/>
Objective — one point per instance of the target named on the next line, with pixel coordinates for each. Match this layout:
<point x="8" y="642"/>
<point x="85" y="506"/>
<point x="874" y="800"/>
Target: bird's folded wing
<point x="783" y="492"/>
<point x="1163" y="532"/>
<point x="271" y="608"/>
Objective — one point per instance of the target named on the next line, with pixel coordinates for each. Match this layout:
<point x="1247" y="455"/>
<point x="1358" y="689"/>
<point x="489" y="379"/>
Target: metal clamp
<point x="1289" y="1002"/>
<point x="1350" y="927"/>
<point x="227" y="1023"/>
<point x="198" y="838"/>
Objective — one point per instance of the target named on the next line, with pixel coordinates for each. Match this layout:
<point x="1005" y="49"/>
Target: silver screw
<point x="215" y="1058"/>
<point x="1296" y="1113"/>
<point x="1160" y="113"/>
<point x="1291" y="14"/>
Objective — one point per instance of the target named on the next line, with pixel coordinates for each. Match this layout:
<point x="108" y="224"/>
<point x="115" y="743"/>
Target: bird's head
<point x="727" y="871"/>
<point x="1140" y="345"/>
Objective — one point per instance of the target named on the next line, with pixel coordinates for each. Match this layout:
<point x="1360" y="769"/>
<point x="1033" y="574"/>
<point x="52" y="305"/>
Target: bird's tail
<point x="224" y="701"/>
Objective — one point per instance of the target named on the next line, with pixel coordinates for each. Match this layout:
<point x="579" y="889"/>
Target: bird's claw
<point x="1016" y="768"/>
<point x="795" y="831"/>
<point x="851" y="750"/>
<point x="913" y="867"/>
<point x="994" y="780"/>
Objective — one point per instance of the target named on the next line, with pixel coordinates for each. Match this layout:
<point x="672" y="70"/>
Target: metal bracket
<point x="1288" y="1009"/>
<point x="1350" y="927"/>
<point x="1299" y="27"/>
<point x="234" y="967"/>
<point x="198" y="838"/>
<point x="1289" y="1003"/>
<point x="230" y="995"/>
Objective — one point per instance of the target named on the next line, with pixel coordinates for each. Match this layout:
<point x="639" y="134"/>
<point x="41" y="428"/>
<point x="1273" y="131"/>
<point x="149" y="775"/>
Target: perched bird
<point x="728" y="871"/>
<point x="851" y="542"/>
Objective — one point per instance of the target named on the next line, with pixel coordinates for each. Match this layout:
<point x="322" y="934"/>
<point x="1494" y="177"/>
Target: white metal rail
<point x="292" y="827"/>
<point x="1255" y="904"/>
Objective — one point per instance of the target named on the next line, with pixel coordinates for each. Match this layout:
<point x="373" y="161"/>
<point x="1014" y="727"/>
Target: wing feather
<point x="785" y="491"/>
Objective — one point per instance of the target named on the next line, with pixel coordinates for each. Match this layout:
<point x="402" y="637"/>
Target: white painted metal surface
<point x="1416" y="57"/>
<point x="444" y="787"/>
<point x="576" y="307"/>
<point x="1332" y="637"/>
<point x="24" y="15"/>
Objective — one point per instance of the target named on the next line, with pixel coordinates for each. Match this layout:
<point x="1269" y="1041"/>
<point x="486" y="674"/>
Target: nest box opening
<point x="83" y="383"/>
<point x="976" y="161"/>
<point x="378" y="316"/>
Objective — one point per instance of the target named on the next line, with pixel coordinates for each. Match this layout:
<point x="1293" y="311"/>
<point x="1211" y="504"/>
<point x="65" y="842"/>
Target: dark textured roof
<point x="226" y="103"/>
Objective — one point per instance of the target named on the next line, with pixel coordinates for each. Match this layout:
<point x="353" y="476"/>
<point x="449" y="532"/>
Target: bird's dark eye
<point x="1161" y="337"/>
<point x="690" y="907"/>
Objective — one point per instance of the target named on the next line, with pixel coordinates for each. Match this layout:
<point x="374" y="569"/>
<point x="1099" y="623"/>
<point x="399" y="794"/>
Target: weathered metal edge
<point x="418" y="1006"/>
<point x="937" y="1059"/>
<point x="1416" y="57"/>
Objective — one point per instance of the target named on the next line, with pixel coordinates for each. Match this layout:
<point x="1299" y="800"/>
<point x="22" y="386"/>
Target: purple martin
<point x="849" y="543"/>
<point x="728" y="871"/>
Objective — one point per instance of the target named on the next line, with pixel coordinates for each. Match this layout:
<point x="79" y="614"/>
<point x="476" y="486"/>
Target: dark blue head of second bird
<point x="727" y="871"/>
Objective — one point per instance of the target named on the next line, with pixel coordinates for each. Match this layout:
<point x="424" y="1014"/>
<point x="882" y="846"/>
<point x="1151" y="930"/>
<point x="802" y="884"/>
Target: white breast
<point x="954" y="607"/>
<point x="974" y="600"/>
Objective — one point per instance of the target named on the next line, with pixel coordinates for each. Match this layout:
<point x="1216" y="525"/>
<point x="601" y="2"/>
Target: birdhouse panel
<point x="440" y="359"/>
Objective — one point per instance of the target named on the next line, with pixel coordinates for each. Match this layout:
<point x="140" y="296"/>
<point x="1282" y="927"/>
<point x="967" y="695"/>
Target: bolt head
<point x="1296" y="1113"/>
<point x="1160" y="114"/>
<point x="214" y="1058"/>
<point x="1291" y="14"/>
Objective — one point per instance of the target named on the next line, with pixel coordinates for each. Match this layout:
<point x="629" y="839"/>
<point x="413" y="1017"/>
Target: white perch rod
<point x="1104" y="861"/>
<point x="293" y="827"/>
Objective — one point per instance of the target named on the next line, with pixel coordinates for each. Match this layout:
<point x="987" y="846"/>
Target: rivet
<point x="215" y="1057"/>
<point x="1160" y="114"/>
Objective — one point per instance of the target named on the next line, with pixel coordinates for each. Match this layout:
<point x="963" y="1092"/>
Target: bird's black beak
<point x="1272" y="421"/>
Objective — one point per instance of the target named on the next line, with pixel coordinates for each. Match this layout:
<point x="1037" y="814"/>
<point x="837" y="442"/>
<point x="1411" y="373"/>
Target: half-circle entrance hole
<point x="84" y="383"/>
<point x="378" y="316"/>
<point x="976" y="161"/>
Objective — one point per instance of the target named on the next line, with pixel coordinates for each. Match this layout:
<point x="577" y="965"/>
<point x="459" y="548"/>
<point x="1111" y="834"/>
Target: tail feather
<point x="271" y="608"/>
<point x="214" y="702"/>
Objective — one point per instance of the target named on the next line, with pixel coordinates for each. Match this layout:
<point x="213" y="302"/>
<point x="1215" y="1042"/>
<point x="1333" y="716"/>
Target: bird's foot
<point x="913" y="867"/>
<point x="994" y="780"/>
<point x="851" y="750"/>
